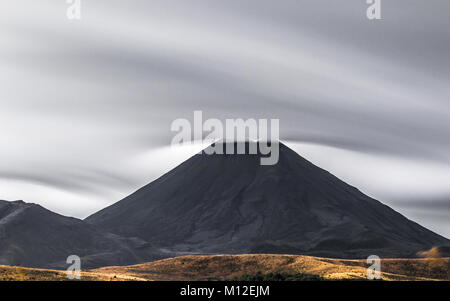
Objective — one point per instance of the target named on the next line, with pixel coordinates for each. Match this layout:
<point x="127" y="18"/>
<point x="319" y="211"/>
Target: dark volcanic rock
<point x="33" y="236"/>
<point x="232" y="204"/>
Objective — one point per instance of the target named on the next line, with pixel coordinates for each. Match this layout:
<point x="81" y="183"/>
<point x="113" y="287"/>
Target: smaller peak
<point x="21" y="203"/>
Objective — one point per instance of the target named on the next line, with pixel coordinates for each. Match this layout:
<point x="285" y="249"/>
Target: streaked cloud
<point x="81" y="102"/>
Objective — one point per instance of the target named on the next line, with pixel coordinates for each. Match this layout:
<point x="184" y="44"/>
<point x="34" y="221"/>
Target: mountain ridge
<point x="33" y="236"/>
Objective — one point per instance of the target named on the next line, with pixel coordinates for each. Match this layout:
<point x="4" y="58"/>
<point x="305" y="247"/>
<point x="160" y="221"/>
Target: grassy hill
<point x="225" y="267"/>
<point x="248" y="267"/>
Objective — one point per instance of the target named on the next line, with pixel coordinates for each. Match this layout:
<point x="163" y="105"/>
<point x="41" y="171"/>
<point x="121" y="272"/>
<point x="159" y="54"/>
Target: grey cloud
<point x="92" y="181"/>
<point x="118" y="63"/>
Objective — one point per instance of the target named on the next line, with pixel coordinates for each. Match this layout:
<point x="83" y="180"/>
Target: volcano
<point x="230" y="203"/>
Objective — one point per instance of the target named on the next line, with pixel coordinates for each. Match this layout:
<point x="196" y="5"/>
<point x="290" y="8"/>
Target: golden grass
<point x="224" y="267"/>
<point x="13" y="273"/>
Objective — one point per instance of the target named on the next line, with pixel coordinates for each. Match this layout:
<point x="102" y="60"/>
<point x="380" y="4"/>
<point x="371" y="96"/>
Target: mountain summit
<point x="232" y="204"/>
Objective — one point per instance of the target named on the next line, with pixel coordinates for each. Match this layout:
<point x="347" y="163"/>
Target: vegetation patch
<point x="278" y="277"/>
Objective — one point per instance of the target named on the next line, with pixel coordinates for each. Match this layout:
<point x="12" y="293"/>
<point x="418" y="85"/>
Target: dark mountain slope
<point x="232" y="204"/>
<point x="33" y="236"/>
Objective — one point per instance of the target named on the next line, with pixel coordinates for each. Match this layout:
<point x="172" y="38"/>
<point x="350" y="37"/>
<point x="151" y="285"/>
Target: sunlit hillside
<point x="237" y="267"/>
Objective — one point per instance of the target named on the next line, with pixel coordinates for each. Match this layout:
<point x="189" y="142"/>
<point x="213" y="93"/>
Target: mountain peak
<point x="267" y="152"/>
<point x="18" y="202"/>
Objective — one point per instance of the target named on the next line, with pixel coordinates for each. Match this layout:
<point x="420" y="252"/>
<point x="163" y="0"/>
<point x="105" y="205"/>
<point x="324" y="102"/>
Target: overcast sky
<point x="86" y="106"/>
